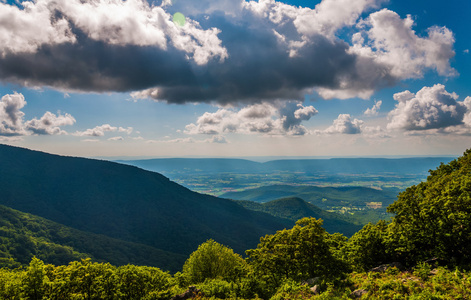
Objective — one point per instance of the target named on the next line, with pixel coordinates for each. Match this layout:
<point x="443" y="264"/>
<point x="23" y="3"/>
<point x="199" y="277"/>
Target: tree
<point x="433" y="218"/>
<point x="212" y="260"/>
<point x="369" y="247"/>
<point x="33" y="281"/>
<point x="10" y="283"/>
<point x="91" y="280"/>
<point x="299" y="253"/>
<point x="137" y="282"/>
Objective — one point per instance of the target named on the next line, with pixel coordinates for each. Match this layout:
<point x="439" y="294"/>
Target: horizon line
<point x="265" y="158"/>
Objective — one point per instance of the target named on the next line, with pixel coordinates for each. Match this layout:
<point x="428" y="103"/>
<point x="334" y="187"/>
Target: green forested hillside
<point x="125" y="202"/>
<point x="432" y="219"/>
<point x="24" y="235"/>
<point x="294" y="208"/>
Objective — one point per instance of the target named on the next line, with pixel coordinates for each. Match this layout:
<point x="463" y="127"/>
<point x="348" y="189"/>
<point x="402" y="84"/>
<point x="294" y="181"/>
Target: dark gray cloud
<point x="259" y="54"/>
<point x="94" y="66"/>
<point x="292" y="115"/>
<point x="257" y="68"/>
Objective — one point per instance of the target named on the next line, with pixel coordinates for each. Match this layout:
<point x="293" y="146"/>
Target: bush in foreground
<point x="213" y="261"/>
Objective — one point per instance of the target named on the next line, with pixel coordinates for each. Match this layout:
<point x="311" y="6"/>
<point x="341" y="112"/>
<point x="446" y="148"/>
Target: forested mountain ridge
<point x="294" y="208"/>
<point x="323" y="197"/>
<point x="125" y="202"/>
<point x="361" y="204"/>
<point x="23" y="236"/>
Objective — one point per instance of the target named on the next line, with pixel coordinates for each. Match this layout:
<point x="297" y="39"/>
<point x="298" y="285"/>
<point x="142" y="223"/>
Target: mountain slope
<point x="125" y="202"/>
<point x="23" y="236"/>
<point x="323" y="197"/>
<point x="294" y="208"/>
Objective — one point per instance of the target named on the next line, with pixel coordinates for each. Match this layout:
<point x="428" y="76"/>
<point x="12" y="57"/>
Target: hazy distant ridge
<point x="415" y="165"/>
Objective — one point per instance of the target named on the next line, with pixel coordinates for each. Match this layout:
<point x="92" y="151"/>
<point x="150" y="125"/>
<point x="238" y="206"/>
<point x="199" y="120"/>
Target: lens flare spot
<point x="179" y="19"/>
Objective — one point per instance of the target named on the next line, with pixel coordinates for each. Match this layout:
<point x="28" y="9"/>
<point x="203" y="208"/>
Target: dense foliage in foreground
<point x="88" y="280"/>
<point x="429" y="235"/>
<point x="84" y="280"/>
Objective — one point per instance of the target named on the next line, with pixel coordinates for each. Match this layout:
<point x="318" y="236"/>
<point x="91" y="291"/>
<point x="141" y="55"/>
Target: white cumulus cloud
<point x="25" y="30"/>
<point x="217" y="139"/>
<point x="49" y="124"/>
<point x="374" y="110"/>
<point x="11" y="116"/>
<point x="12" y="119"/>
<point x="128" y="130"/>
<point x="102" y="129"/>
<point x="344" y="124"/>
<point x="97" y="131"/>
<point x="430" y="108"/>
<point x="408" y="54"/>
<point x="263" y="118"/>
<point x="114" y="22"/>
<point x="116" y="138"/>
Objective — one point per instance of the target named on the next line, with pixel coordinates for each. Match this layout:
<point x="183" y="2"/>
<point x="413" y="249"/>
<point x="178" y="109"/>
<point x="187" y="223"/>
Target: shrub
<point x="219" y="288"/>
<point x="368" y="248"/>
<point x="422" y="270"/>
<point x="213" y="261"/>
<point x="292" y="290"/>
<point x="137" y="282"/>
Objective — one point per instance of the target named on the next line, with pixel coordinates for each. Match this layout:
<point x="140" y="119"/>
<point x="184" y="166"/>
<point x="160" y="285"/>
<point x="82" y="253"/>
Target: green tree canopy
<point x="433" y="218"/>
<point x="369" y="247"/>
<point x="299" y="253"/>
<point x="212" y="260"/>
<point x="34" y="279"/>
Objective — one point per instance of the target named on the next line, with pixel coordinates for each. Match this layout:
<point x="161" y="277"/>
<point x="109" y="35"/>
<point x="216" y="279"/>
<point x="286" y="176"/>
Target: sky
<point x="234" y="78"/>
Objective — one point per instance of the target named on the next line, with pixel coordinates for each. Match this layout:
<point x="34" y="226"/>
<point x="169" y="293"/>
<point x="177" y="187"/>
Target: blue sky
<point x="241" y="78"/>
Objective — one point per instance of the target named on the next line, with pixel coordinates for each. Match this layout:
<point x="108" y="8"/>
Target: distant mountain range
<point x="414" y="165"/>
